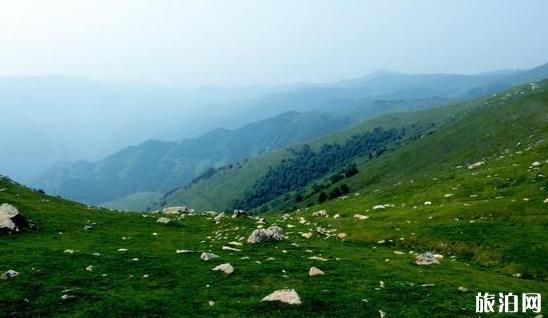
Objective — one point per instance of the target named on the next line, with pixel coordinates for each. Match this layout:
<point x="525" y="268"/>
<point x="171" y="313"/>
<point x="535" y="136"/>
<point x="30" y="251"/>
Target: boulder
<point x="219" y="217"/>
<point x="288" y="296"/>
<point x="314" y="271"/>
<point x="11" y="220"/>
<point x="321" y="213"/>
<point x="225" y="268"/>
<point x="239" y="214"/>
<point x="9" y="274"/>
<point x="208" y="256"/>
<point x="273" y="233"/>
<point x="426" y="259"/>
<point x="177" y="210"/>
<point x="163" y="220"/>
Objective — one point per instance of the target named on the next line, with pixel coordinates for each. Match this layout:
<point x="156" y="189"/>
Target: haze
<point x="80" y="80"/>
<point x="195" y="43"/>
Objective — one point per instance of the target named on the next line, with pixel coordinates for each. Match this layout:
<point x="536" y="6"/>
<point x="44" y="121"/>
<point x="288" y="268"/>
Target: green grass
<point x="486" y="231"/>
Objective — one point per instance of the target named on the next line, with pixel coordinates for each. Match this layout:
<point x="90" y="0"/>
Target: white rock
<point x="342" y="235"/>
<point x="225" y="268"/>
<point x="315" y="271"/>
<point x="9" y="274"/>
<point x="317" y="258"/>
<point x="10" y="219"/>
<point x="69" y="251"/>
<point x="307" y="235"/>
<point x="427" y="202"/>
<point x="208" y="256"/>
<point x="228" y="248"/>
<point x="426" y="259"/>
<point x="321" y="213"/>
<point x="361" y="217"/>
<point x="89" y="268"/>
<point x="163" y="220"/>
<point x="183" y="251"/>
<point x="288" y="296"/>
<point x="219" y="217"/>
<point x="273" y="233"/>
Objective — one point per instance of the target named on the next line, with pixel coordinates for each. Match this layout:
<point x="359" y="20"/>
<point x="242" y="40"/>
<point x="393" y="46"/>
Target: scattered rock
<point x="89" y="268"/>
<point x="183" y="251"/>
<point x="315" y="271"/>
<point x="307" y="235"/>
<point x="9" y="274"/>
<point x="225" y="268"/>
<point x="317" y="258"/>
<point x="463" y="289"/>
<point x="177" y="210"/>
<point x="68" y="251"/>
<point x="427" y="202"/>
<point x="163" y="220"/>
<point x="426" y="259"/>
<point x="239" y="214"/>
<point x="361" y="217"/>
<point x="229" y="248"/>
<point x="476" y="165"/>
<point x="211" y="303"/>
<point x="273" y="233"/>
<point x="321" y="213"/>
<point x="288" y="296"/>
<point x="219" y="217"/>
<point x="11" y="220"/>
<point x="208" y="256"/>
<point x="342" y="235"/>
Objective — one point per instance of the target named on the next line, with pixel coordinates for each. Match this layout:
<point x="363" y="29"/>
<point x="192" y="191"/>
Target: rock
<point x="9" y="274"/>
<point x="163" y="220"/>
<point x="229" y="248"/>
<point x="378" y="206"/>
<point x="239" y="214"/>
<point x="427" y="202"/>
<point x="87" y="227"/>
<point x="307" y="235"/>
<point x="261" y="221"/>
<point x="68" y="251"/>
<point x="235" y="243"/>
<point x="219" y="217"/>
<point x="183" y="251"/>
<point x="382" y="314"/>
<point x="273" y="233"/>
<point x="315" y="271"/>
<point x="463" y="289"/>
<point x="342" y="235"/>
<point x="89" y="268"/>
<point x="177" y="210"/>
<point x="360" y="217"/>
<point x="426" y="259"/>
<point x="208" y="256"/>
<point x="211" y="303"/>
<point x="336" y="216"/>
<point x="288" y="296"/>
<point x="11" y="220"/>
<point x="225" y="268"/>
<point x="545" y="200"/>
<point x="476" y="165"/>
<point x="321" y="213"/>
<point x="317" y="258"/>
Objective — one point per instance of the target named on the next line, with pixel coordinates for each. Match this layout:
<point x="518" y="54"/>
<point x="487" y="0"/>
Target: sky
<point x="237" y="43"/>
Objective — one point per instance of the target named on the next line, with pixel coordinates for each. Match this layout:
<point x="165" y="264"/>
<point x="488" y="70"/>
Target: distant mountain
<point x="429" y="141"/>
<point x="157" y="166"/>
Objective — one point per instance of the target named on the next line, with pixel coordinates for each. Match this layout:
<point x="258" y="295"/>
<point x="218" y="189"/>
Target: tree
<point x="323" y="197"/>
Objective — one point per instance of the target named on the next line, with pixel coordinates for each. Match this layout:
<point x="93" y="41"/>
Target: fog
<point x="81" y="79"/>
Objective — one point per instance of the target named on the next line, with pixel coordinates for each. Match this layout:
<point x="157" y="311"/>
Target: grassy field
<point x="489" y="222"/>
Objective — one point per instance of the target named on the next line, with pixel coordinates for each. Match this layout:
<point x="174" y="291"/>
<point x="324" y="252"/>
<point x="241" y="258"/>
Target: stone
<point x="342" y="235"/>
<point x="307" y="235"/>
<point x="239" y="214"/>
<point x="11" y="220"/>
<point x="208" y="256"/>
<point x="361" y="217"/>
<point x="426" y="259"/>
<point x="177" y="210"/>
<point x="229" y="248"/>
<point x="9" y="274"/>
<point x="163" y="220"/>
<point x="314" y="271"/>
<point x="321" y="213"/>
<point x="225" y="268"/>
<point x="273" y="233"/>
<point x="288" y="296"/>
<point x="183" y="251"/>
<point x="219" y="217"/>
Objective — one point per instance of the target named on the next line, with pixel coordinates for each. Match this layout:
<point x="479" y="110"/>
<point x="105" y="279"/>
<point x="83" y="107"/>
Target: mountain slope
<point x="156" y="166"/>
<point x="222" y="189"/>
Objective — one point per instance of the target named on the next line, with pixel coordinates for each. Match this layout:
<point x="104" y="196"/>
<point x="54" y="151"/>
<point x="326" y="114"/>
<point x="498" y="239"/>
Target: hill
<point x="484" y="213"/>
<point x="157" y="166"/>
<point x="225" y="188"/>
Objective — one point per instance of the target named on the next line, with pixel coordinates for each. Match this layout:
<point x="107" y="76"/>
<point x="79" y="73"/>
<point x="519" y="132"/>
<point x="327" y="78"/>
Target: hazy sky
<point x="201" y="42"/>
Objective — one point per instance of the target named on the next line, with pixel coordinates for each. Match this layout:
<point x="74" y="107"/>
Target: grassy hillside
<point x="456" y="133"/>
<point x="157" y="166"/>
<point x="491" y="238"/>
